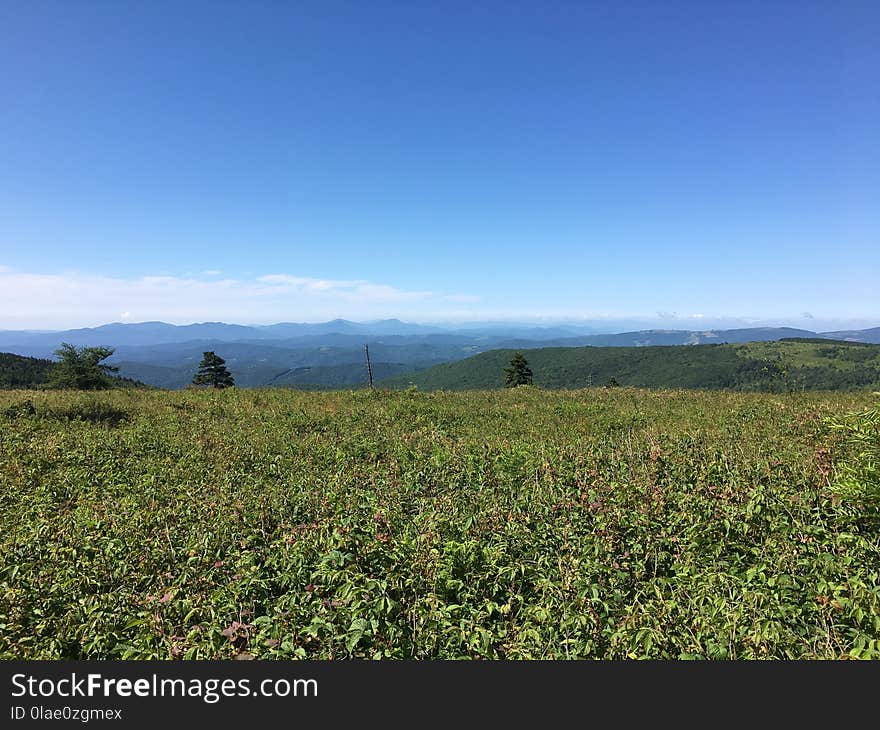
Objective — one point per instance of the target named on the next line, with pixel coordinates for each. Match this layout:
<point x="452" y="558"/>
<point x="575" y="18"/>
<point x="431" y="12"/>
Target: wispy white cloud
<point x="460" y="298"/>
<point x="77" y="299"/>
<point x="72" y="299"/>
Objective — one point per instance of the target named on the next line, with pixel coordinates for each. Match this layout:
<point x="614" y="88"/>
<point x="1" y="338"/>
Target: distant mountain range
<point x="331" y="355"/>
<point x="160" y="333"/>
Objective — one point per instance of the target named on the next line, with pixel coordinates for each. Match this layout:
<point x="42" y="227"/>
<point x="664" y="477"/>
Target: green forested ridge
<point x="764" y="366"/>
<point x="796" y="364"/>
<point x="17" y="371"/>
<point x="518" y="523"/>
<point x="330" y="355"/>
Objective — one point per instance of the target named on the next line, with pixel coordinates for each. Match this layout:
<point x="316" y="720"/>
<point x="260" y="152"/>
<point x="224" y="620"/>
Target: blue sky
<point x="261" y="162"/>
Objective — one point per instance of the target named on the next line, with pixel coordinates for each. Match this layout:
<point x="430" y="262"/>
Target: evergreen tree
<point x="213" y="372"/>
<point x="81" y="368"/>
<point x="518" y="372"/>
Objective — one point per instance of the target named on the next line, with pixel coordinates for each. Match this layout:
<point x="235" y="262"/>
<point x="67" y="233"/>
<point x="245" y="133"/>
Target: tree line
<point x="83" y="368"/>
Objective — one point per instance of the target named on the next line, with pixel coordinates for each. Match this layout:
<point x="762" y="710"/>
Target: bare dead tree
<point x="369" y="367"/>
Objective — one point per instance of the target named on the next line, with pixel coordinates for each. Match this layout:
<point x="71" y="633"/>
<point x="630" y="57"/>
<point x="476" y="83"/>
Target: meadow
<point x="515" y="524"/>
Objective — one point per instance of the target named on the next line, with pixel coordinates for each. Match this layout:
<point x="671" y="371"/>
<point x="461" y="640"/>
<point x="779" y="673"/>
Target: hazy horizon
<point x="597" y="325"/>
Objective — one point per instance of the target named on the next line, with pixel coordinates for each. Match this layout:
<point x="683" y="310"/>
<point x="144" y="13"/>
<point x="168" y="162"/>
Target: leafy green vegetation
<point x="764" y="366"/>
<point x="858" y="476"/>
<point x="518" y="523"/>
<point x="82" y="368"/>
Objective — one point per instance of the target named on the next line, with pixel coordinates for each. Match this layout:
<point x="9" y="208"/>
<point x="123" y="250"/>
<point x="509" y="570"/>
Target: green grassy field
<point x="509" y="524"/>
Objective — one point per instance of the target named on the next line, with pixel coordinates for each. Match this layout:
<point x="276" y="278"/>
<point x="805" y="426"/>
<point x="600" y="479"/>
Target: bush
<point x="857" y="473"/>
<point x="21" y="409"/>
<point x="93" y="411"/>
<point x="82" y="368"/>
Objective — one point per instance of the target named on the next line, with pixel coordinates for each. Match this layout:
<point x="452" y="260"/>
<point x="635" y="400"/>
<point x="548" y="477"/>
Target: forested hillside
<point x="17" y="371"/>
<point x="797" y="364"/>
<point x="30" y="373"/>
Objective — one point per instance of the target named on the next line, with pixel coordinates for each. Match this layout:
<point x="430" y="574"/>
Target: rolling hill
<point x="867" y="335"/>
<point x="797" y="364"/>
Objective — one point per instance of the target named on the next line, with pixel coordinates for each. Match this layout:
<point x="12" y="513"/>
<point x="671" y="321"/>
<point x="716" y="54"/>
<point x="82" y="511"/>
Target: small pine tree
<point x="81" y="368"/>
<point x="212" y="372"/>
<point x="518" y="372"/>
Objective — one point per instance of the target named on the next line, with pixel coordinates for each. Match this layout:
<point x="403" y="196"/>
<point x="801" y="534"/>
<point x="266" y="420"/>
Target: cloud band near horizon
<point x="77" y="299"/>
<point x="74" y="299"/>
